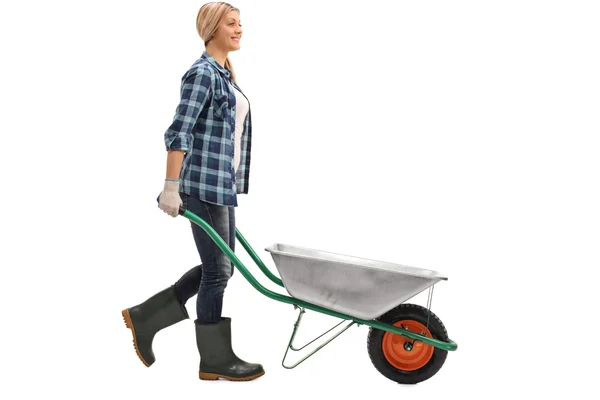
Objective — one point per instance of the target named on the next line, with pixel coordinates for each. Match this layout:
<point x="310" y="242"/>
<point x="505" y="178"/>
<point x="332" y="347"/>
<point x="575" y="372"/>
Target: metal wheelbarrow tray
<point x="359" y="287"/>
<point x="407" y="343"/>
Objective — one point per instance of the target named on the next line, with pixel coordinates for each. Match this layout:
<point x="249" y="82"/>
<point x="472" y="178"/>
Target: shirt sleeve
<point x="195" y="90"/>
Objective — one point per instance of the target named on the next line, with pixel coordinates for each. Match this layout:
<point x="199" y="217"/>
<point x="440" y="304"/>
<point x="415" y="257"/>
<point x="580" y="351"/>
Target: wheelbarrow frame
<point x="450" y="345"/>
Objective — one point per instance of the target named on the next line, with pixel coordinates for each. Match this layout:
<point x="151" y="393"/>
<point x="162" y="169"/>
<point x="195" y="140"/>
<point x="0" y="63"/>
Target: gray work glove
<point x="170" y="200"/>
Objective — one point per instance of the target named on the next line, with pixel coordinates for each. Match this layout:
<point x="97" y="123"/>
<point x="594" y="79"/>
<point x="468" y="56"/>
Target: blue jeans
<point x="209" y="279"/>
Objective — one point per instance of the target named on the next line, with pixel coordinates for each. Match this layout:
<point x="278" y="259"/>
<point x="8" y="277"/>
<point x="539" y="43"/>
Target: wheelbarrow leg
<point x="296" y="326"/>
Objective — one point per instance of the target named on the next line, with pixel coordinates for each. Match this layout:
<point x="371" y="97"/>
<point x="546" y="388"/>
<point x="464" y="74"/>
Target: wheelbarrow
<point x="406" y="343"/>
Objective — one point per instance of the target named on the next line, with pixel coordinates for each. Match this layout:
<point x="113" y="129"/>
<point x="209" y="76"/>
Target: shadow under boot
<point x="217" y="358"/>
<point x="146" y="319"/>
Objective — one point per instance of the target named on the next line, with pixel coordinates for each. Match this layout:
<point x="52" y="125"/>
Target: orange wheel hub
<point x="404" y="353"/>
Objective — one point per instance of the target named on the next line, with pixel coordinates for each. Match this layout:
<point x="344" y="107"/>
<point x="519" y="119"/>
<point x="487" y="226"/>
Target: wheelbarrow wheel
<point x="405" y="360"/>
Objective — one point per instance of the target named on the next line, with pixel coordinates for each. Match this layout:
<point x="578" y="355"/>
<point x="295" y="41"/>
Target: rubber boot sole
<point x="129" y="325"/>
<point x="206" y="376"/>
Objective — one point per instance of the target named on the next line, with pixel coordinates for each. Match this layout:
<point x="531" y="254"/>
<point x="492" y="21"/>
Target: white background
<point x="455" y="136"/>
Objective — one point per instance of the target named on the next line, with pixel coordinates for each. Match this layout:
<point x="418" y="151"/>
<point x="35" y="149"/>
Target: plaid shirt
<point x="204" y="127"/>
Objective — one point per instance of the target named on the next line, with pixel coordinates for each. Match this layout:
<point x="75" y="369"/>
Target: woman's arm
<point x="195" y="94"/>
<point x="174" y="161"/>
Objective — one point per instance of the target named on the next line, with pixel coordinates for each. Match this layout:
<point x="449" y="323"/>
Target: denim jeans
<point x="209" y="279"/>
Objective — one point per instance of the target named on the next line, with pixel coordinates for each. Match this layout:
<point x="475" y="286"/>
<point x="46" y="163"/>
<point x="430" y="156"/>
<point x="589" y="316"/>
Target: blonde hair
<point x="207" y="23"/>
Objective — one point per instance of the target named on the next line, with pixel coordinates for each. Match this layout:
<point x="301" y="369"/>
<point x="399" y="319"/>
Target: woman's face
<point x="229" y="33"/>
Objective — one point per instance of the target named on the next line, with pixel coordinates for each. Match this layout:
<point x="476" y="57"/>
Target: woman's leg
<point x="232" y="235"/>
<point x="213" y="332"/>
<point x="189" y="284"/>
<point x="216" y="267"/>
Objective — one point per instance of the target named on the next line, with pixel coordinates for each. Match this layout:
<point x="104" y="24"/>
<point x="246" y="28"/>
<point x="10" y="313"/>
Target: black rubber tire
<point x="375" y="340"/>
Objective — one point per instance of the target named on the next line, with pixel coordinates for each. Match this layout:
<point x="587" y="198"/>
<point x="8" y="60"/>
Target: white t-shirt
<point x="241" y="108"/>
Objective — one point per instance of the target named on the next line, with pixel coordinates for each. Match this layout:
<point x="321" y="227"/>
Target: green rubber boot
<point x="217" y="358"/>
<point x="146" y="319"/>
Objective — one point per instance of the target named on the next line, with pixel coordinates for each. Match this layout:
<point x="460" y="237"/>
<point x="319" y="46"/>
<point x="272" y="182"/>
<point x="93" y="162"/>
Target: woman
<point x="208" y="160"/>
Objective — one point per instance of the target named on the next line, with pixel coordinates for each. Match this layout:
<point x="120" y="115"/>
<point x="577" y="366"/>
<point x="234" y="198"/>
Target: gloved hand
<point x="169" y="200"/>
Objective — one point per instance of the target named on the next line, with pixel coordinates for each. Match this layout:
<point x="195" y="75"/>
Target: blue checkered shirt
<point x="204" y="127"/>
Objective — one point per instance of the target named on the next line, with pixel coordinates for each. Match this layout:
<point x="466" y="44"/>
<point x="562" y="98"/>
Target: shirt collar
<point x="214" y="63"/>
